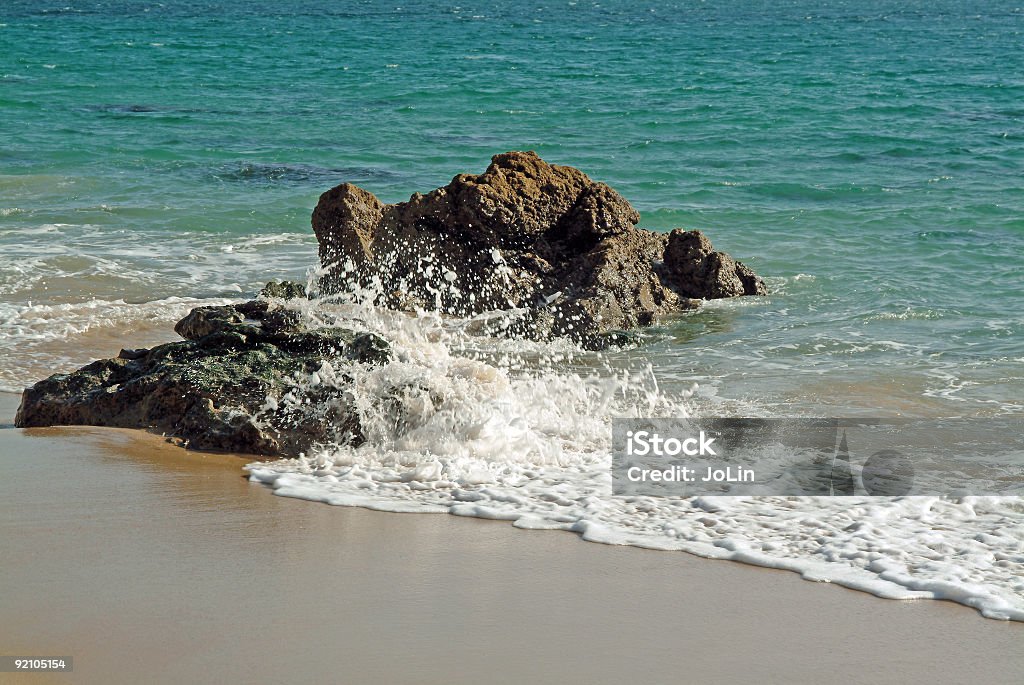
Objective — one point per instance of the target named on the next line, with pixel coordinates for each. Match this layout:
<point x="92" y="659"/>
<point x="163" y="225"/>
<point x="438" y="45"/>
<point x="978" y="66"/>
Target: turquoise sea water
<point x="864" y="156"/>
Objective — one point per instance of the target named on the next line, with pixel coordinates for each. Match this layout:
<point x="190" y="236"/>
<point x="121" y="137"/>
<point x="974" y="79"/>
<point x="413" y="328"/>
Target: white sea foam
<point x="62" y="321"/>
<point x="63" y="287"/>
<point x="38" y="339"/>
<point x="70" y="260"/>
<point x="494" y="429"/>
<point x="520" y="431"/>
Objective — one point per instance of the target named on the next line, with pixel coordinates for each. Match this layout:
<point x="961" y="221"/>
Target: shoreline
<point x="146" y="561"/>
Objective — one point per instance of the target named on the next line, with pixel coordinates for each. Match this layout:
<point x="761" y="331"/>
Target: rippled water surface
<point x="865" y="157"/>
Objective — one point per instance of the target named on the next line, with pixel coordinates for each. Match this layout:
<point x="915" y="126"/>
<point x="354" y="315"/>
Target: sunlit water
<point x="865" y="157"/>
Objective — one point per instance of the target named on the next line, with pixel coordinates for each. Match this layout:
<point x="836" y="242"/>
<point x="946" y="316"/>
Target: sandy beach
<point x="148" y="563"/>
<point x="553" y="317"/>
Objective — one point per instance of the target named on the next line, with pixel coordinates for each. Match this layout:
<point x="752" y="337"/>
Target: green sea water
<point x="865" y="157"/>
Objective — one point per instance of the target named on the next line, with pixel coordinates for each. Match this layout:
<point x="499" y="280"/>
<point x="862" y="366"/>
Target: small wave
<point x="24" y="186"/>
<point x="947" y="235"/>
<point x="908" y="314"/>
<point x="464" y="429"/>
<point x="803" y="192"/>
<point x="260" y="173"/>
<point x="257" y="241"/>
<point x="38" y="339"/>
<point x="63" y="10"/>
<point x="901" y="152"/>
<point x="124" y="108"/>
<point x="41" y="322"/>
<point x="848" y="157"/>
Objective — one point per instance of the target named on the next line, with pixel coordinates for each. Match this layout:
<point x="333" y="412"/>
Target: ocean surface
<point x="865" y="157"/>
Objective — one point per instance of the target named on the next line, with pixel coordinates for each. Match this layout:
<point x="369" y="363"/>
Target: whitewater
<point x="520" y="431"/>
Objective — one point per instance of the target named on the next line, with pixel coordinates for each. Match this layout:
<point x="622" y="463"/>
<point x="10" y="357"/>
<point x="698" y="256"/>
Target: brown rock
<point x="696" y="270"/>
<point x="344" y="221"/>
<point x="524" y="234"/>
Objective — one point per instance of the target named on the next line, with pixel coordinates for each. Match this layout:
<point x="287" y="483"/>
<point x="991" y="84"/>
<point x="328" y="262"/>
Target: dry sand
<point x="147" y="563"/>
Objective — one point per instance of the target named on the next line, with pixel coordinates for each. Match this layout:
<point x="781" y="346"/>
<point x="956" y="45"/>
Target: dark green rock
<point x="203" y="321"/>
<point x="369" y="348"/>
<point x="231" y="385"/>
<point x="611" y="339"/>
<point x="285" y="290"/>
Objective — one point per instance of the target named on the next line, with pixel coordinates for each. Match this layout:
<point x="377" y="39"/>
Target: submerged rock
<point x="543" y="241"/>
<point x="232" y="384"/>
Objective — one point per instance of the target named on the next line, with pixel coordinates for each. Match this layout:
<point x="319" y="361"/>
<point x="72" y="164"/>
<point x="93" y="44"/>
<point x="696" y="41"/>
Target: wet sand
<point x="148" y="563"/>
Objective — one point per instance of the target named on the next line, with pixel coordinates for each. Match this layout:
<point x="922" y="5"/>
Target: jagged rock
<point x="610" y="339"/>
<point x="542" y="239"/>
<point x="203" y="321"/>
<point x="231" y="385"/>
<point x="556" y="253"/>
<point x="696" y="270"/>
<point x="285" y="290"/>
<point x="133" y="353"/>
<point x="370" y="349"/>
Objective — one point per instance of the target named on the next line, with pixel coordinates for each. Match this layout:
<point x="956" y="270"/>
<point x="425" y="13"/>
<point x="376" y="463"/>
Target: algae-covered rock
<point x="285" y="290"/>
<point x="234" y="384"/>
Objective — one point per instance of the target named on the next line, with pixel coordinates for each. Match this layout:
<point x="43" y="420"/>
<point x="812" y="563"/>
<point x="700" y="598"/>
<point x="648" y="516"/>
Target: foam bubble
<point x="498" y="430"/>
<point x="38" y="339"/>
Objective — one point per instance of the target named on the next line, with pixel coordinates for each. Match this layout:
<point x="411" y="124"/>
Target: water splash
<point x="520" y="431"/>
